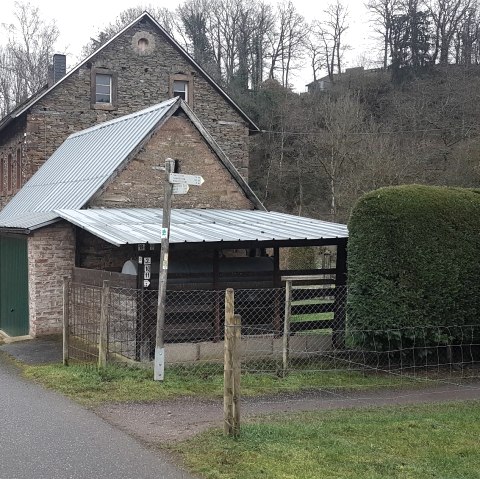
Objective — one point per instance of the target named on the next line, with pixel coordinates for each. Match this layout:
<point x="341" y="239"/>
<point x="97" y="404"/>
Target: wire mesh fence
<point x="301" y="330"/>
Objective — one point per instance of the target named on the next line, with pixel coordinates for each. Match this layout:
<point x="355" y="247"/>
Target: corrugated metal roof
<point x="29" y="221"/>
<point x="137" y="226"/>
<point x="83" y="163"/>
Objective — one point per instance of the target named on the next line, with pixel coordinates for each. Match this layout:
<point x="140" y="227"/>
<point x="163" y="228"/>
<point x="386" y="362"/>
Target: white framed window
<point x="180" y="88"/>
<point x="103" y="88"/>
<point x="103" y="91"/>
<point x="181" y="84"/>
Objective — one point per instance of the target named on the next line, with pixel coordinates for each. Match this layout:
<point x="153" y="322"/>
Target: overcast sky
<point x="80" y="20"/>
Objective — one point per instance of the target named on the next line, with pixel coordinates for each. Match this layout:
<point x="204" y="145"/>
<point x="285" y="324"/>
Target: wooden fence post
<point x="103" y="327"/>
<point x="286" y="326"/>
<point x="232" y="370"/>
<point x="66" y="320"/>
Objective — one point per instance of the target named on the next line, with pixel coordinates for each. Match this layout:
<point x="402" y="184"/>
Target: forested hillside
<point x="320" y="151"/>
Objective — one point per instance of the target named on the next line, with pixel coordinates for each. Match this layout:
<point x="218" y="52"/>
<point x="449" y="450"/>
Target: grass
<point x="90" y="386"/>
<point x="415" y="442"/>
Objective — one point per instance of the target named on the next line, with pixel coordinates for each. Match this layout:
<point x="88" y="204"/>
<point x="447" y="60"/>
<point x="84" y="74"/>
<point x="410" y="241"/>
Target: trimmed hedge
<point x="414" y="261"/>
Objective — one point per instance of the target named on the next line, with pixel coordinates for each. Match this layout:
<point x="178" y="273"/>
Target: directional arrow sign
<point x="176" y="178"/>
<point x="180" y="188"/>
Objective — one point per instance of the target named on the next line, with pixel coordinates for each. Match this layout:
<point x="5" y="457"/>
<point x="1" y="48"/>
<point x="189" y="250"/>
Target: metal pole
<point x="159" y="363"/>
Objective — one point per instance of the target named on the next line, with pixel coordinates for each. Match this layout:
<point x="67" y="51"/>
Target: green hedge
<point x="414" y="261"/>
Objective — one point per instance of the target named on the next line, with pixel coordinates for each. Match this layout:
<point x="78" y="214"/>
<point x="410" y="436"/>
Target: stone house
<point x="140" y="66"/>
<point x="99" y="197"/>
<point x="80" y="185"/>
<point x="113" y="165"/>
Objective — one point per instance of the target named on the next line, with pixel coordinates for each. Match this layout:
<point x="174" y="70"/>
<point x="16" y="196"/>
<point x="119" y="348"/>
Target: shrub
<point x="414" y="262"/>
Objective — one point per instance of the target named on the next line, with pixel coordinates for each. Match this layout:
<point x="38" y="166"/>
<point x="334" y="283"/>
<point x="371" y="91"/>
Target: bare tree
<point x="330" y="32"/>
<point x="25" y="58"/>
<point x="383" y="12"/>
<point x="287" y="42"/>
<point x="448" y="16"/>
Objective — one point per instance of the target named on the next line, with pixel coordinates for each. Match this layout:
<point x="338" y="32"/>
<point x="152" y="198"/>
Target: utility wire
<point x="392" y="132"/>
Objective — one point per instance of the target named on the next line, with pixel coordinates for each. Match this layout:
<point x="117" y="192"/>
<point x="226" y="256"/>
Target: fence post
<point x="231" y="398"/>
<point x="286" y="326"/>
<point x="103" y="327"/>
<point x="66" y="320"/>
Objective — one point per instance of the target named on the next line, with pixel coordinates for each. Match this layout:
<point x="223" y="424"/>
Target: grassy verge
<point x="90" y="386"/>
<point x="417" y="442"/>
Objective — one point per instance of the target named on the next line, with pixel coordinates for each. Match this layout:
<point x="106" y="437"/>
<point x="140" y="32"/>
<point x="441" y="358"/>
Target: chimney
<point x="57" y="70"/>
<point x="59" y="67"/>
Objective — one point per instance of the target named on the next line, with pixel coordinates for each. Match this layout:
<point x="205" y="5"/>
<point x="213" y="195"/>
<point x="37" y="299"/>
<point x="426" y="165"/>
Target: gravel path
<point x="172" y="420"/>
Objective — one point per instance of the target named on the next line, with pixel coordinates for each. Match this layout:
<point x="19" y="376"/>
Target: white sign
<point x="148" y="260"/>
<point x="195" y="180"/>
<point x="147" y="271"/>
<point x="164" y="233"/>
<point x="146" y="283"/>
<point x="180" y="188"/>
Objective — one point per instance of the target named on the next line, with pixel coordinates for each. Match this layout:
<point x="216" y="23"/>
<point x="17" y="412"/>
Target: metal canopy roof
<point x="138" y="226"/>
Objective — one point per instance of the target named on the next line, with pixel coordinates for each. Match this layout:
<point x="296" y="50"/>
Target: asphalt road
<point x="46" y="436"/>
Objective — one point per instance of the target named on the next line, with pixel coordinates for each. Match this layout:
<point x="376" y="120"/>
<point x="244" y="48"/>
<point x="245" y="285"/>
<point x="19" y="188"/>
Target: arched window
<point x="9" y="172"/>
<point x="19" y="168"/>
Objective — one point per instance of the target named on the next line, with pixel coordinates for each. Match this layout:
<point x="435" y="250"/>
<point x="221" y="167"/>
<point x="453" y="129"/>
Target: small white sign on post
<point x="195" y="180"/>
<point x="164" y="233"/>
<point x="180" y="188"/>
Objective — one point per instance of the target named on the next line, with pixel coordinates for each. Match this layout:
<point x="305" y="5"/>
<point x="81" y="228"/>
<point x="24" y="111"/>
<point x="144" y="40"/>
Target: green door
<point x="13" y="286"/>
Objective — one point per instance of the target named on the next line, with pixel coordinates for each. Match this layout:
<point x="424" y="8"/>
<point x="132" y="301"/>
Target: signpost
<point x="174" y="184"/>
<point x="178" y="178"/>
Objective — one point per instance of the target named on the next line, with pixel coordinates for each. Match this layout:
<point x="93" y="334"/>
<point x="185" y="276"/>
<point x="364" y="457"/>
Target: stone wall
<point x="12" y="140"/>
<point x="140" y="185"/>
<point x="143" y="79"/>
<point x="51" y="256"/>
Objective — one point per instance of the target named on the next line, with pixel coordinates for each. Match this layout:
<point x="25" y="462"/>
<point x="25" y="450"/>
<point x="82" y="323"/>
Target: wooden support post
<point x="103" y="327"/>
<point x="338" y="333"/>
<point x="217" y="327"/>
<point x="159" y="362"/>
<point x="231" y="399"/>
<point x="286" y="326"/>
<point x="66" y="320"/>
<point x="277" y="302"/>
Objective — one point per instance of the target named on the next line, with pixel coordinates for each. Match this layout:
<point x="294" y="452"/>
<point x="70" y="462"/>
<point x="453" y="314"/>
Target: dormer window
<point x="103" y="89"/>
